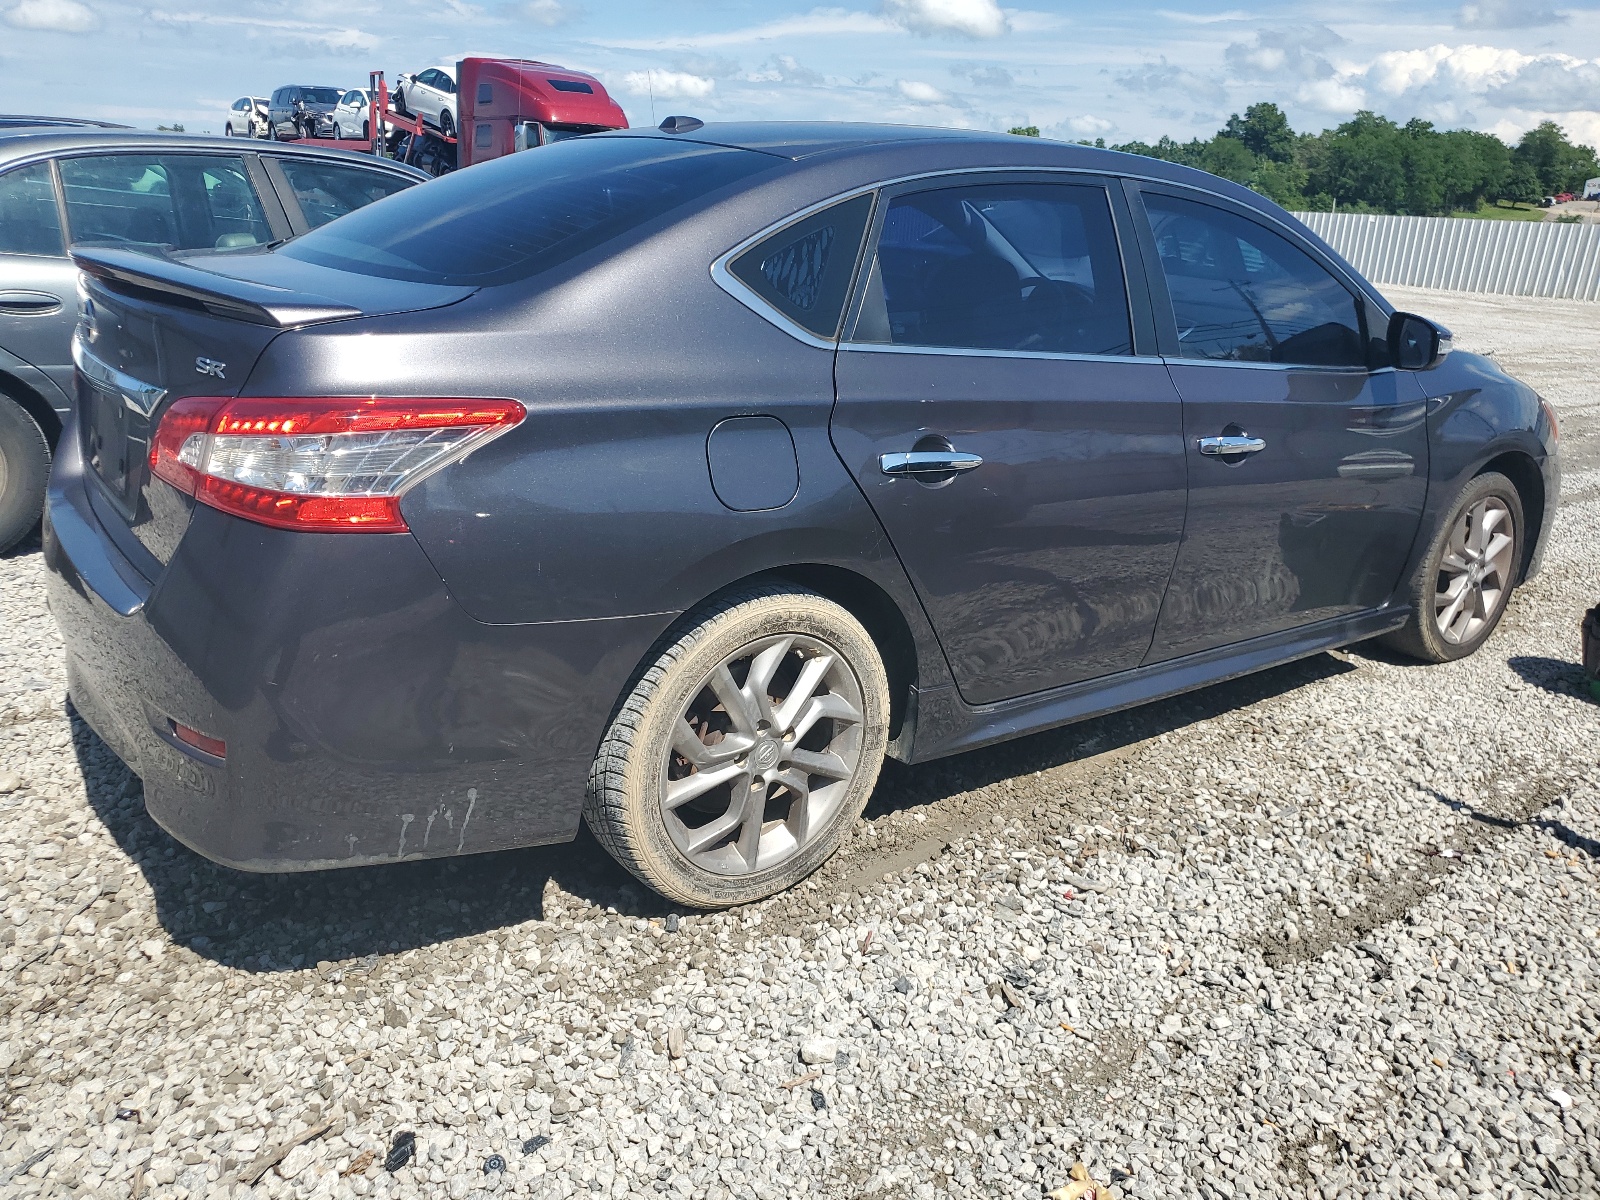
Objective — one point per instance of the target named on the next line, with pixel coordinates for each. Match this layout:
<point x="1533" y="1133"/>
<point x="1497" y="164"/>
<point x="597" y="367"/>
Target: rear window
<point x="513" y="217"/>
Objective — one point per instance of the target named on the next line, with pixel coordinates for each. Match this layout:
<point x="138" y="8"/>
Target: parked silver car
<point x="352" y="116"/>
<point x="246" y="117"/>
<point x="431" y="95"/>
<point x="138" y="190"/>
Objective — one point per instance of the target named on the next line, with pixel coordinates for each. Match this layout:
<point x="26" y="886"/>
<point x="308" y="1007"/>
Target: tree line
<point x="1372" y="164"/>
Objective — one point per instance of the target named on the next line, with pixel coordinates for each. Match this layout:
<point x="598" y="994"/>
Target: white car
<point x="431" y="95"/>
<point x="352" y="116"/>
<point x="246" y="117"/>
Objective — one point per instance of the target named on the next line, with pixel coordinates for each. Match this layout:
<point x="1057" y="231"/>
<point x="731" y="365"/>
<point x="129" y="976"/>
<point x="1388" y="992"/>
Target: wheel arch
<point x="878" y="613"/>
<point x="35" y="405"/>
<point x="1520" y="467"/>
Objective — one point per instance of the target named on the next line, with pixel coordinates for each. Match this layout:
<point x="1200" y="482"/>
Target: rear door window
<point x="185" y="201"/>
<point x="804" y="271"/>
<point x="1023" y="267"/>
<point x="513" y="217"/>
<point x="29" y="220"/>
<point x="325" y="191"/>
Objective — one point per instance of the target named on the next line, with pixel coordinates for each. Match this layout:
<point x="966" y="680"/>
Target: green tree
<point x="1024" y="130"/>
<point x="1264" y="130"/>
<point x="1560" y="165"/>
<point x="1523" y="186"/>
<point x="1228" y="157"/>
<point x="1360" y="162"/>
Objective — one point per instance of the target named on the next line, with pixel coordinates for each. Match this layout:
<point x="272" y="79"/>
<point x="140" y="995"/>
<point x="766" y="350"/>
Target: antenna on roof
<point x="681" y="124"/>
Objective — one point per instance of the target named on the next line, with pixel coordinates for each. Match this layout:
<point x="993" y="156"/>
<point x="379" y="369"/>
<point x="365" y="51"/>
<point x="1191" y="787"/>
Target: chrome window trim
<point x="1177" y="360"/>
<point x="725" y="279"/>
<point x="971" y="352"/>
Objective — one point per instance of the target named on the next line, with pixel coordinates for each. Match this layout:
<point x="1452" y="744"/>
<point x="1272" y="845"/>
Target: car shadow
<point x="1552" y="674"/>
<point x="283" y="922"/>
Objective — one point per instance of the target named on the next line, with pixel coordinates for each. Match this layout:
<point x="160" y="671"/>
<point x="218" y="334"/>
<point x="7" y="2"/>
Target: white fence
<point x="1462" y="254"/>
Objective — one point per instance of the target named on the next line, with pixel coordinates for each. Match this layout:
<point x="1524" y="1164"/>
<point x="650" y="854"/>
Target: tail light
<point x="328" y="464"/>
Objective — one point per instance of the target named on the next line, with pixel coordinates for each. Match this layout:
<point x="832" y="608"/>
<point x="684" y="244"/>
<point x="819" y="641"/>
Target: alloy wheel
<point x="1475" y="571"/>
<point x="762" y="755"/>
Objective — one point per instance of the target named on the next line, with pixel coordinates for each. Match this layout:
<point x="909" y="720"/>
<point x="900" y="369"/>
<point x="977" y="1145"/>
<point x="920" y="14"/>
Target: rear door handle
<point x="29" y="303"/>
<point x="927" y="462"/>
<point x="1231" y="444"/>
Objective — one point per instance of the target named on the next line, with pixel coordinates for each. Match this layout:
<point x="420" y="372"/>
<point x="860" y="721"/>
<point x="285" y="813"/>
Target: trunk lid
<point x="155" y="329"/>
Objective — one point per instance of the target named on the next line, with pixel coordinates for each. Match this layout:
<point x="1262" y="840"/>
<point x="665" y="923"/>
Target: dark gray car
<point x="121" y="187"/>
<point x="670" y="480"/>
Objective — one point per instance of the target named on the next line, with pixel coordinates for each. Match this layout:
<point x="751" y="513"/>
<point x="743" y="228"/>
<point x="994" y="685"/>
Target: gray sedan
<point x="126" y="188"/>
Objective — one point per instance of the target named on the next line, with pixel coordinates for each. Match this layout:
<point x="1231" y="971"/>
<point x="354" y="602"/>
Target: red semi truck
<point x="502" y="105"/>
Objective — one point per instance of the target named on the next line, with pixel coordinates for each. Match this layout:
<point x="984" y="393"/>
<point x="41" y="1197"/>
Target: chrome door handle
<point x="1220" y="446"/>
<point x="28" y="303"/>
<point x="928" y="462"/>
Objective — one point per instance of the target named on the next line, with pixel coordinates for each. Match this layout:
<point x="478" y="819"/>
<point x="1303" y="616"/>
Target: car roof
<point x="17" y="145"/>
<point x="941" y="148"/>
<point x="21" y="121"/>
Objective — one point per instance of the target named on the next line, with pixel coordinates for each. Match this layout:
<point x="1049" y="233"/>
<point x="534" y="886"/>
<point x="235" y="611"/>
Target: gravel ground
<point x="1331" y="930"/>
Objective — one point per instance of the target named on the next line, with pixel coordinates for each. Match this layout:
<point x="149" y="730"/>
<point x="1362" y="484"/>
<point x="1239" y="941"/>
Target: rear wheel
<point x="745" y="752"/>
<point x="1465" y="580"/>
<point x="24" y="470"/>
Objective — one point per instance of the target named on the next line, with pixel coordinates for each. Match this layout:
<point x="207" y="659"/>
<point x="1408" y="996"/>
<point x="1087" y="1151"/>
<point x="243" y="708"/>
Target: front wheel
<point x="744" y="753"/>
<point x="1461" y="589"/>
<point x="24" y="470"/>
<point x="227" y="130"/>
<point x="447" y="126"/>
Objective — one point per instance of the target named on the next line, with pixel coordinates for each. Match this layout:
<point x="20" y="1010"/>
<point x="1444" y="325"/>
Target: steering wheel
<point x="1059" y="314"/>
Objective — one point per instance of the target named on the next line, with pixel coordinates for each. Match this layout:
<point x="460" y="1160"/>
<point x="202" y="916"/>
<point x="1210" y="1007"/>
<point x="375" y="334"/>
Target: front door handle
<point x="1231" y="444"/>
<point x="928" y="462"/>
<point x="29" y="303"/>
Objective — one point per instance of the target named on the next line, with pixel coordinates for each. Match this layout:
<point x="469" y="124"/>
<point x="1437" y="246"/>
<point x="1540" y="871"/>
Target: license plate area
<point x="111" y="447"/>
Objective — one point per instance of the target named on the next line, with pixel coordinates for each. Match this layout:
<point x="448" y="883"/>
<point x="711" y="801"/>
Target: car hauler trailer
<point x="502" y="105"/>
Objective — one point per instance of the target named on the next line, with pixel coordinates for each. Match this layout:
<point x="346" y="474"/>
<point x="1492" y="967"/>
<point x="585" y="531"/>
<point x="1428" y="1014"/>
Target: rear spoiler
<point x="158" y="276"/>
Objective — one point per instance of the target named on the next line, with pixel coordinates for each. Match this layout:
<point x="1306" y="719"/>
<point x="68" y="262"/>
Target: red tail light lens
<point x="329" y="464"/>
<point x="205" y="743"/>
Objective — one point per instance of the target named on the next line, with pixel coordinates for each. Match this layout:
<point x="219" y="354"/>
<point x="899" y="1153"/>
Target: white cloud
<point x="919" y="92"/>
<point x="289" y="34"/>
<point x="55" y="16"/>
<point x="984" y="76"/>
<point x="785" y="68"/>
<point x="819" y="22"/>
<point x="964" y="18"/>
<point x="549" y="13"/>
<point x="668" y="85"/>
<point x="1087" y="126"/>
<point x="1233" y="14"/>
<point x="1507" y="14"/>
<point x="1296" y="52"/>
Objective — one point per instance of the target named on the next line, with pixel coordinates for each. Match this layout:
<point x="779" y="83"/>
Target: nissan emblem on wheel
<point x="836" y="443"/>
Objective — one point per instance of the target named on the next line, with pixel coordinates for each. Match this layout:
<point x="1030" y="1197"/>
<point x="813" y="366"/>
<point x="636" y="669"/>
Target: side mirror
<point x="1416" y="343"/>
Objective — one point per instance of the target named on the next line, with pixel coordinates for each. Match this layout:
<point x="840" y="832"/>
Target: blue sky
<point x="1135" y="69"/>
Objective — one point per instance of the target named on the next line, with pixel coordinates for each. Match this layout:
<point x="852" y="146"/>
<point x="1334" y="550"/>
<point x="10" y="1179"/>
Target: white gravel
<point x="1332" y="930"/>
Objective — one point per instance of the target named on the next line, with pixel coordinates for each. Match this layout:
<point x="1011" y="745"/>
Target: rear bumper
<point x="367" y="717"/>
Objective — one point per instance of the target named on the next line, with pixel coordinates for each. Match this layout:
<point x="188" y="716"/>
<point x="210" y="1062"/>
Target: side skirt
<point x="946" y="725"/>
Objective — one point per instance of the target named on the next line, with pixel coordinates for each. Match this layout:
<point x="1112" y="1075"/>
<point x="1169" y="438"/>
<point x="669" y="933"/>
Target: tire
<point x="447" y="125"/>
<point x="398" y="101"/>
<point x="688" y="842"/>
<point x="1449" y="618"/>
<point x="24" y="470"/>
<point x="338" y="132"/>
<point x="366" y="131"/>
<point x="227" y="130"/>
